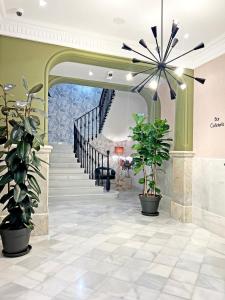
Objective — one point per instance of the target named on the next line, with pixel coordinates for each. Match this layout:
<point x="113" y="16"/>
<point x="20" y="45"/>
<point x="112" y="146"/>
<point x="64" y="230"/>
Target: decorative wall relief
<point x="68" y="101"/>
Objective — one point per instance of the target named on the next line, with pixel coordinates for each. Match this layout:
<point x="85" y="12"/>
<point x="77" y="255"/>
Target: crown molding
<point x="2" y="10"/>
<point x="91" y="42"/>
<point x="212" y="50"/>
<point x="63" y="37"/>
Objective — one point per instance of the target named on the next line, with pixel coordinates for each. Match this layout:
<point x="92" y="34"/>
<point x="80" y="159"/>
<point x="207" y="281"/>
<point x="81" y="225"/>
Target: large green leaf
<point x="33" y="183"/>
<point x="20" y="174"/>
<point x="7" y="196"/>
<point x="38" y="140"/>
<point x="33" y="196"/>
<point x="20" y="192"/>
<point x="3" y="140"/>
<point x="35" y="170"/>
<point x="16" y="134"/>
<point x="6" y="178"/>
<point x="3" y="131"/>
<point x="35" y="89"/>
<point x="23" y="150"/>
<point x="28" y="126"/>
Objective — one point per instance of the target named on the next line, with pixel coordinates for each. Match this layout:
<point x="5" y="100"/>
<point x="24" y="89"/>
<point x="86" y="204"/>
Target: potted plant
<point x="151" y="150"/>
<point x="19" y="168"/>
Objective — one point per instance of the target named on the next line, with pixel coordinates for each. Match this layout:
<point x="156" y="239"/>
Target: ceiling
<point x="81" y="71"/>
<point x="125" y="20"/>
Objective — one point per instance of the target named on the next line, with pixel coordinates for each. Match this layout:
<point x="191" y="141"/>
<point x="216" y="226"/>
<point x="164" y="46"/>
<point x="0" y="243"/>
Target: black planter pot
<point x="150" y="205"/>
<point x="15" y="242"/>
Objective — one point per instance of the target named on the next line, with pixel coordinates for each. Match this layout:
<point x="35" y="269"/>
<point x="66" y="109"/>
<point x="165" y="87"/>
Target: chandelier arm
<point x="173" y="77"/>
<point x="160" y="73"/>
<point x="152" y="54"/>
<point x="158" y="49"/>
<point x="146" y="79"/>
<point x="144" y="56"/>
<point x="149" y="69"/>
<point x="168" y="48"/>
<point x="149" y="80"/>
<point x="167" y="79"/>
<point x="180" y="56"/>
<point x="168" y="54"/>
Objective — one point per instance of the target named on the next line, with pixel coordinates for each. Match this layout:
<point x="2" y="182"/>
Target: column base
<point x="181" y="213"/>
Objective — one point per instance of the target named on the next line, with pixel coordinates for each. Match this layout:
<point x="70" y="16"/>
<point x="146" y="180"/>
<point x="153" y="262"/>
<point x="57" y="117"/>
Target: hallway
<point x="106" y="250"/>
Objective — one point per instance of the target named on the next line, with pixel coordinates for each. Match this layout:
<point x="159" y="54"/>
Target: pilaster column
<point x="181" y="203"/>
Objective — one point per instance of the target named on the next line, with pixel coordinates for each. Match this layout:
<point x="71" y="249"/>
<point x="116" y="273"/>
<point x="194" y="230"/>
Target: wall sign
<point x="217" y="122"/>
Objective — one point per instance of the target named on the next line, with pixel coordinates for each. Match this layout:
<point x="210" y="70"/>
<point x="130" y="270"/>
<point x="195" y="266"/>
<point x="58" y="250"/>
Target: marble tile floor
<point x="106" y="250"/>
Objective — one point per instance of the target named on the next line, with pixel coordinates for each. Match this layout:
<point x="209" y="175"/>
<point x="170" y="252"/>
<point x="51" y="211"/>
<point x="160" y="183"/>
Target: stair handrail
<point x="86" y="128"/>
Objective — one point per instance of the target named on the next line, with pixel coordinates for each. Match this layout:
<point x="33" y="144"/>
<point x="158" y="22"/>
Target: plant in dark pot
<point x="19" y="168"/>
<point x="152" y="147"/>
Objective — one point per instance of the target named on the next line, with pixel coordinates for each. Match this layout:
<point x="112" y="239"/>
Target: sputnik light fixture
<point x="158" y="65"/>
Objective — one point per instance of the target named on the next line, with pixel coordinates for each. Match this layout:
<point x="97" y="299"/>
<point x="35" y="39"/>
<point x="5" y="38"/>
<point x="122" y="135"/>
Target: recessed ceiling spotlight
<point x="186" y="36"/>
<point x="129" y="77"/>
<point x="42" y="3"/>
<point x="109" y="75"/>
<point x="90" y="73"/>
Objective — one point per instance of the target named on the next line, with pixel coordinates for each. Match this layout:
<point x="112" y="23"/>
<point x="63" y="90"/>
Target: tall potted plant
<point x="151" y="147"/>
<point x="19" y="168"/>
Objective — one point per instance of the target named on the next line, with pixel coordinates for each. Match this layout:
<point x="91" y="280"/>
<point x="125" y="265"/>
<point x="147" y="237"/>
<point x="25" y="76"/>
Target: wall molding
<point x="90" y="41"/>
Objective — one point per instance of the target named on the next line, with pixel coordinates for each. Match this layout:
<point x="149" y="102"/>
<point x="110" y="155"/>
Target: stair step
<point x="71" y="183"/>
<point x="61" y="159"/>
<point x="60" y="176"/>
<point x="66" y="191"/>
<point x="101" y="196"/>
<point x="64" y="165"/>
<point x="66" y="170"/>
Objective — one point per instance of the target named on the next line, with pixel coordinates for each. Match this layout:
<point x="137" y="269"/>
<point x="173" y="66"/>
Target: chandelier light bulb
<point x="153" y="84"/>
<point x="129" y="77"/>
<point x="179" y="71"/>
<point x="90" y="73"/>
<point x="183" y="86"/>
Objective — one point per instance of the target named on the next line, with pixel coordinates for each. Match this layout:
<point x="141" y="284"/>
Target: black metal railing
<point x="86" y="128"/>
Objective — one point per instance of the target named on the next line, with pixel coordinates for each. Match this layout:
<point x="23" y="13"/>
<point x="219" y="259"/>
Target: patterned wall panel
<point x="68" y="101"/>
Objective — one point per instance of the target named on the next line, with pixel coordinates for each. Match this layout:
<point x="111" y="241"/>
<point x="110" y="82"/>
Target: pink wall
<point x="209" y="103"/>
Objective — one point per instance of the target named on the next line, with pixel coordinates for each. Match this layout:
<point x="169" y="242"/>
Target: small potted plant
<point x="151" y="150"/>
<point x="19" y="168"/>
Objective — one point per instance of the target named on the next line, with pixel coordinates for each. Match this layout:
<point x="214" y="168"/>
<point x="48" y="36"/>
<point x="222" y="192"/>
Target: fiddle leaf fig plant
<point x="19" y="163"/>
<point x="152" y="147"/>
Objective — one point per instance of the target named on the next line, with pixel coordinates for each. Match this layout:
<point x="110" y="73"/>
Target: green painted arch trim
<point x="184" y="103"/>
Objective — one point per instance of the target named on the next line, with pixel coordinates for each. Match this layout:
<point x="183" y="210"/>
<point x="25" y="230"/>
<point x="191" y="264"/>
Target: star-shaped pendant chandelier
<point x="159" y="64"/>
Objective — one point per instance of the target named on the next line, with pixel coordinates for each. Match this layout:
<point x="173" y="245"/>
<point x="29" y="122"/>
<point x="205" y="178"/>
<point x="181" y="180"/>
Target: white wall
<point x="119" y="119"/>
<point x="209" y="147"/>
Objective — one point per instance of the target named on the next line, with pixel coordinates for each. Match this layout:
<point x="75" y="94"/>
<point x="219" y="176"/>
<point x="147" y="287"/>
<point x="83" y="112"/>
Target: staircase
<point x="68" y="179"/>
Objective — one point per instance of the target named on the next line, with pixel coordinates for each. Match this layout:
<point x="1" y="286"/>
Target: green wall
<point x="34" y="60"/>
